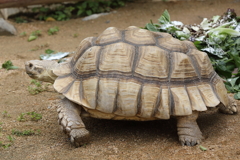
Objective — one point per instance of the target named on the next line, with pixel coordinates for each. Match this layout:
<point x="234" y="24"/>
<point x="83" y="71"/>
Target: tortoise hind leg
<point x="188" y="130"/>
<point x="230" y="109"/>
<point x="71" y="122"/>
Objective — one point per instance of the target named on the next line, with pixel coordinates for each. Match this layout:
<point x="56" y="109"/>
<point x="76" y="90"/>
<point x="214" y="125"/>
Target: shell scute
<point x="163" y="110"/>
<point x="127" y="98"/>
<point x="149" y="99"/>
<point x="140" y="36"/>
<point x="152" y="62"/>
<point x="182" y="67"/>
<point x="87" y="62"/>
<point x="111" y="34"/>
<point x="85" y="44"/>
<point x="195" y="97"/>
<point x="221" y="90"/>
<point x="202" y="62"/>
<point x="208" y="95"/>
<point x="107" y="95"/>
<point x="117" y="57"/>
<point x="90" y="91"/>
<point x="182" y="105"/>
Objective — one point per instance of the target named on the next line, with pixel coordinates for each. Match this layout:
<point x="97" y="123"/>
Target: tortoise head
<point x="41" y="70"/>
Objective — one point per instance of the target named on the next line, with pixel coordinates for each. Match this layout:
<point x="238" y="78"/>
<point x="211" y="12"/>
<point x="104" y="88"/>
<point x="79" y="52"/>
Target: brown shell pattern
<point x="140" y="75"/>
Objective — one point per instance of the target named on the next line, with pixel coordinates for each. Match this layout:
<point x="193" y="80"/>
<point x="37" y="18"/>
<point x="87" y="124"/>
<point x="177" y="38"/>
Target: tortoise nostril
<point x="30" y="65"/>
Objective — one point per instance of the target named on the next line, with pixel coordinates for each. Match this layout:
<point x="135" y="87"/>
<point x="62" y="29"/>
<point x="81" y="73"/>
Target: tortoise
<point x="134" y="74"/>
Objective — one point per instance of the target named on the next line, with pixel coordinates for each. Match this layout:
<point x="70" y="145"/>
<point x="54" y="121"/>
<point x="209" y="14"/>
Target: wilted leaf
<point x="205" y="25"/>
<point x="55" y="56"/>
<point x="177" y="23"/>
<point x="215" y="18"/>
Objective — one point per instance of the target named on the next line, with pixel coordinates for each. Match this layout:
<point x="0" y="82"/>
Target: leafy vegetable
<point x="219" y="37"/>
<point x="34" y="35"/>
<point x="49" y="51"/>
<point x="23" y="34"/>
<point x="203" y="148"/>
<point x="8" y="65"/>
<point x="53" y="30"/>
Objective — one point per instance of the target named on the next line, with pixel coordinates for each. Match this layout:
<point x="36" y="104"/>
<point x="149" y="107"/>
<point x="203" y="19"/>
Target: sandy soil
<point x="110" y="139"/>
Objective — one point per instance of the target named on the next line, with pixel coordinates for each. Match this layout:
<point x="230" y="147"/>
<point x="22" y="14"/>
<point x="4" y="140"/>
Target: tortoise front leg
<point x="71" y="122"/>
<point x="188" y="130"/>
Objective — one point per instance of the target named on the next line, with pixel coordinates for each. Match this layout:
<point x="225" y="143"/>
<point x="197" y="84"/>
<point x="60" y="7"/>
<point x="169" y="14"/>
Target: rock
<point x="95" y="16"/>
<point x="6" y="28"/>
<point x="6" y="12"/>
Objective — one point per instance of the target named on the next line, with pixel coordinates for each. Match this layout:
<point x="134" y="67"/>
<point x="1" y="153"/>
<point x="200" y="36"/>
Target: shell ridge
<point x="139" y="78"/>
<point x="97" y="92"/>
<point x="158" y="44"/>
<point x="170" y="66"/>
<point x="123" y="36"/>
<point x="99" y="60"/>
<point x="191" y="103"/>
<point x="157" y="103"/>
<point x="81" y="90"/>
<point x="135" y="60"/>
<point x="116" y="107"/>
<point x="108" y="43"/>
<point x="171" y="101"/>
<point x="139" y="102"/>
<point x="194" y="63"/>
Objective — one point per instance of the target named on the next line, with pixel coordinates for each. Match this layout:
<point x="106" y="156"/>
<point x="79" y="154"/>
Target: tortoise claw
<point x="79" y="137"/>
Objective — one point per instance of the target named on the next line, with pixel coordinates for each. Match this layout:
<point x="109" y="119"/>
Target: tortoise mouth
<point x="31" y="75"/>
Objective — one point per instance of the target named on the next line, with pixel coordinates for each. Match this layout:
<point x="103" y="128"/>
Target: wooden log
<point x="23" y="3"/>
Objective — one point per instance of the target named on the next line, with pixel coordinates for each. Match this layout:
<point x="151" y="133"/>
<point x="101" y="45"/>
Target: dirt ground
<point x="110" y="140"/>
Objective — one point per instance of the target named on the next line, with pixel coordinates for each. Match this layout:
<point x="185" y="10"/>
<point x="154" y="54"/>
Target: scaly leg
<point x="188" y="130"/>
<point x="230" y="109"/>
<point x="71" y="122"/>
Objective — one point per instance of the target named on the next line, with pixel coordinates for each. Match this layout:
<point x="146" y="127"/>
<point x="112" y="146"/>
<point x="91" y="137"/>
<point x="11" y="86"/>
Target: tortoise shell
<point x="140" y="75"/>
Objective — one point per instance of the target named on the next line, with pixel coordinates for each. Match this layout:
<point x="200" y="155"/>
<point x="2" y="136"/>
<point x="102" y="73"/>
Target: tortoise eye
<point x="30" y="65"/>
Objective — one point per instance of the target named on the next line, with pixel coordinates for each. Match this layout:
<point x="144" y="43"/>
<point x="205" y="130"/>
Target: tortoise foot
<point x="231" y="108"/>
<point x="79" y="137"/>
<point x="189" y="140"/>
<point x="188" y="130"/>
<point x="71" y="123"/>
